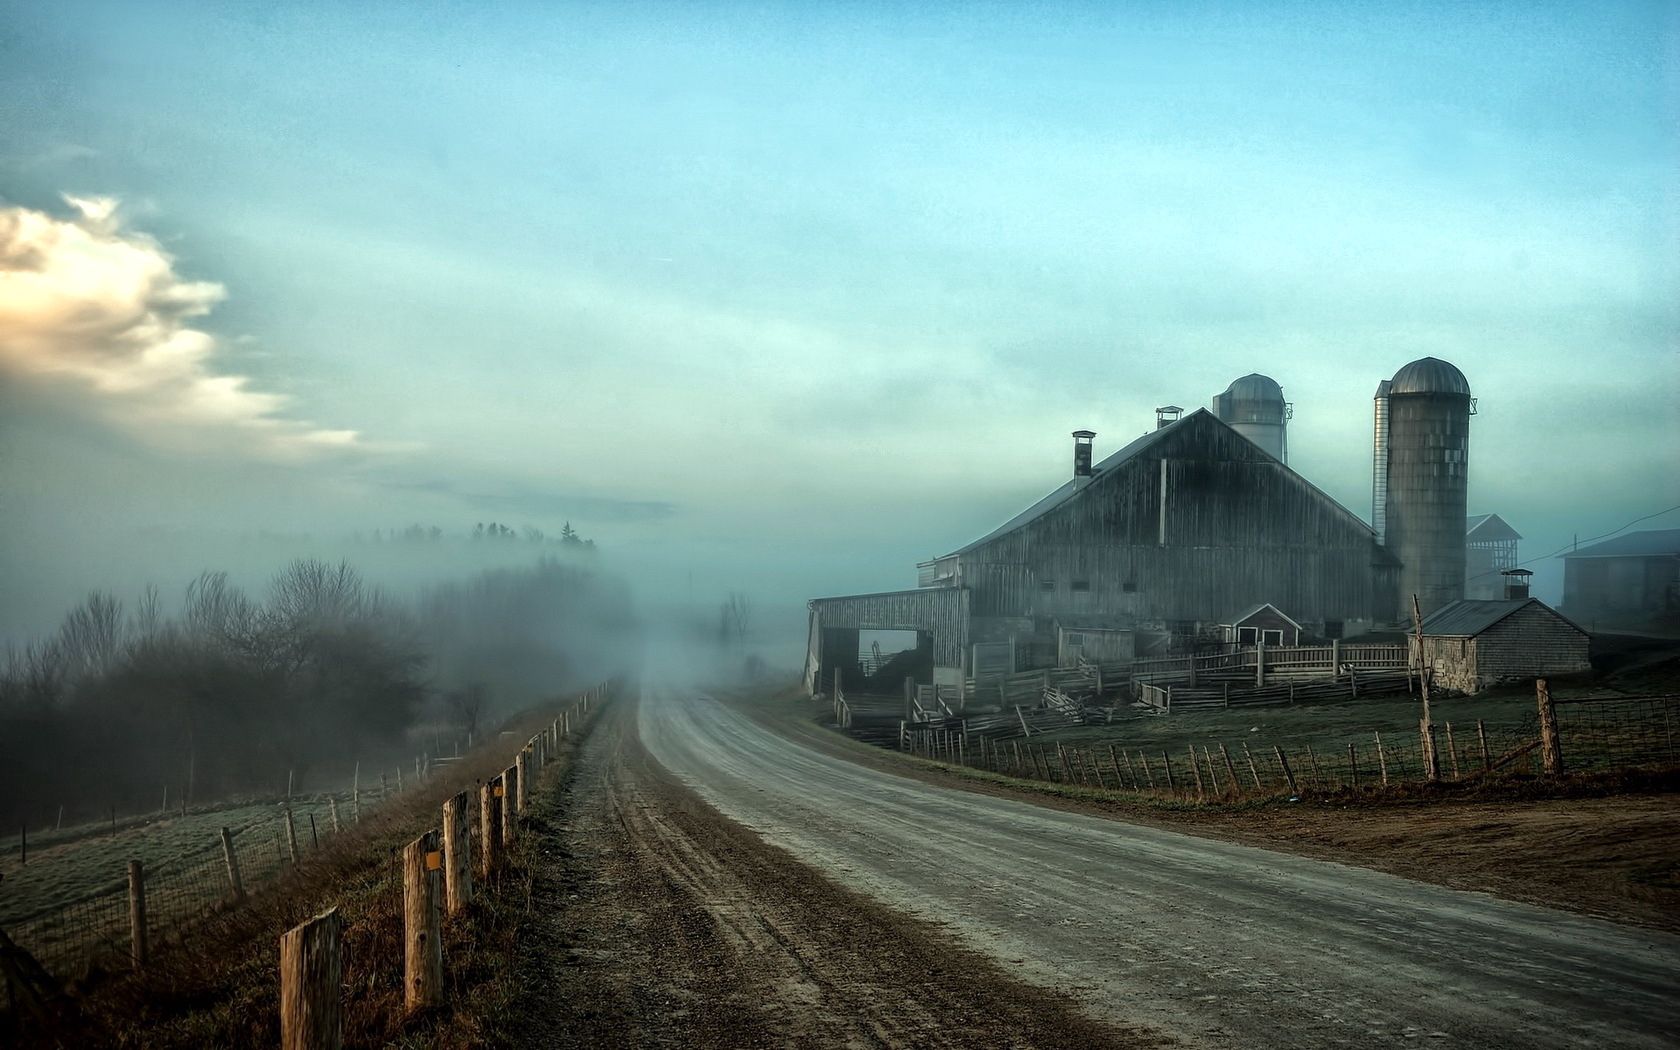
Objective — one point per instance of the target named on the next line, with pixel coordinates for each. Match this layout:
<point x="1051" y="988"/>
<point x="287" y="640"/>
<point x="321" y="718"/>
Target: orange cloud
<point x="85" y="301"/>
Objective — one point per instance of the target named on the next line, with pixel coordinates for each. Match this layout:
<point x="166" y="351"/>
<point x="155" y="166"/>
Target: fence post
<point x="291" y="836"/>
<point x="489" y="825"/>
<point x="1353" y="764"/>
<point x="1487" y="756"/>
<point x="510" y="811"/>
<point x="1196" y="771"/>
<point x="1382" y="760"/>
<point x="232" y="858"/>
<point x="1230" y="770"/>
<point x="137" y="914"/>
<point x="1288" y="775"/>
<point x="1253" y="770"/>
<point x="1452" y="751"/>
<point x="1259" y="663"/>
<point x="311" y="972"/>
<point x="1551" y="748"/>
<point x="457" y="869"/>
<point x="1166" y="760"/>
<point x="422" y="923"/>
<point x="332" y="805"/>
<point x="522" y="762"/>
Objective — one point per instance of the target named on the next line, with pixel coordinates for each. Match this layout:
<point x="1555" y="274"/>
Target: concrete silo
<point x="1254" y="407"/>
<point x="1423" y="417"/>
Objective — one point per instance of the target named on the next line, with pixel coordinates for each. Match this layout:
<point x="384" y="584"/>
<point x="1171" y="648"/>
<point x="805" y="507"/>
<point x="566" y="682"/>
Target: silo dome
<point x="1254" y="407"/>
<point x="1429" y="375"/>
<point x="1255" y="387"/>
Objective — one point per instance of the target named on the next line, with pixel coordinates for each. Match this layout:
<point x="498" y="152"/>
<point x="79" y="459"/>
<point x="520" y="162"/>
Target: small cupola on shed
<point x="1516" y="582"/>
<point x="1167" y="415"/>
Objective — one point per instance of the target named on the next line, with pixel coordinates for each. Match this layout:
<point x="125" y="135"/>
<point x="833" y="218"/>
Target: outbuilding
<point x="1470" y="645"/>
<point x="1264" y="624"/>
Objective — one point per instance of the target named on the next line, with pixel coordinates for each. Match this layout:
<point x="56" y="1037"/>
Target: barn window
<point x="1075" y="638"/>
<point x="1246" y="635"/>
<point x="1080" y="585"/>
<point x="1273" y="637"/>
<point x="1046" y="585"/>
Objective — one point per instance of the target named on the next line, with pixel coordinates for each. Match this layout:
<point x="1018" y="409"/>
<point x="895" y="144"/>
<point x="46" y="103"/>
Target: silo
<point x="1379" y="465"/>
<point x="1254" y="407"/>
<point x="1428" y="423"/>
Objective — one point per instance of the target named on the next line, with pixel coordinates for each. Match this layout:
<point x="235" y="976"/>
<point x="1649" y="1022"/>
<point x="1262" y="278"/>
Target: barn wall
<point x="1532" y="642"/>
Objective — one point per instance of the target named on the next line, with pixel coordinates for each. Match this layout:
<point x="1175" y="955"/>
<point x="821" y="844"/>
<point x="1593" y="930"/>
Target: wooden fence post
<point x="1452" y="751"/>
<point x="1353" y="765"/>
<point x="1213" y="774"/>
<point x="1253" y="770"/>
<point x="456" y="845"/>
<point x="332" y="806"/>
<point x="1551" y="748"/>
<point x="1487" y="756"/>
<point x="1196" y="771"/>
<point x="422" y="923"/>
<point x="1288" y="775"/>
<point x="1147" y="772"/>
<point x="489" y="826"/>
<point x="510" y="810"/>
<point x="522" y="762"/>
<point x="137" y="914"/>
<point x="1230" y="769"/>
<point x="1166" y="760"/>
<point x="291" y="837"/>
<point x="232" y="858"/>
<point x="1382" y="760"/>
<point x="311" y="972"/>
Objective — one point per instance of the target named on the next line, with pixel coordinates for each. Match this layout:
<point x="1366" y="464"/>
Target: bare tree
<point x="467" y="704"/>
<point x="91" y="637"/>
<point x="733" y="617"/>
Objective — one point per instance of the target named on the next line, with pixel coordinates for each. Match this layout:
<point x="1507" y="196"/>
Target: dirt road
<point x="1214" y="942"/>
<point x="656" y="922"/>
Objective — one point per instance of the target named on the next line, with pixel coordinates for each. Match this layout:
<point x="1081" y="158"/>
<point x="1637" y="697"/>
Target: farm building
<point x="1265" y="625"/>
<point x="1168" y="545"/>
<point x="1630" y="580"/>
<point x="1178" y="532"/>
<point x="1490" y="550"/>
<point x="1473" y="644"/>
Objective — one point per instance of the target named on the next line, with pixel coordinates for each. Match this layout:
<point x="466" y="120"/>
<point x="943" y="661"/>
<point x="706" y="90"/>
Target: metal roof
<point x="1489" y="527"/>
<point x="1469" y="617"/>
<point x="1064" y="493"/>
<point x="1652" y="543"/>
<point x="1429" y="375"/>
<point x="1255" y="387"/>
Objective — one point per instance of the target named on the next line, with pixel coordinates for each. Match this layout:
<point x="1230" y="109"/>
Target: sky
<point x="785" y="298"/>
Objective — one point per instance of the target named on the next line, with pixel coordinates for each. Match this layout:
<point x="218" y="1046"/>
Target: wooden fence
<point x="1583" y="735"/>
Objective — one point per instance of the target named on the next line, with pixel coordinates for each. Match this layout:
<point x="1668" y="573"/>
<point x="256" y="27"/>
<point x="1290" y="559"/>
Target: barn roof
<point x="1070" y="488"/>
<point x="1647" y="544"/>
<point x="1469" y="617"/>
<point x="1065" y="492"/>
<point x="1257" y="610"/>
<point x="1489" y="527"/>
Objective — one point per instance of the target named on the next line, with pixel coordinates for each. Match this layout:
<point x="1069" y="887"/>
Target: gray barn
<point x="1177" y="532"/>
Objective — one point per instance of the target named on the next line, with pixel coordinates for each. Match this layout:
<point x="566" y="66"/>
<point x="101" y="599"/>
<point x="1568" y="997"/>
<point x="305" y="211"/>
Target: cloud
<point x="85" y="302"/>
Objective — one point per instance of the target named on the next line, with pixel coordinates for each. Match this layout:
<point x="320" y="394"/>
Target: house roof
<point x="1469" y="617"/>
<point x="1070" y="488"/>
<point x="1489" y="527"/>
<point x="1257" y="610"/>
<point x="1647" y="544"/>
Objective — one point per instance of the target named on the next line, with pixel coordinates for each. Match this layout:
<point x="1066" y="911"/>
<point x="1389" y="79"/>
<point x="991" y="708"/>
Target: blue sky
<point x="796" y="295"/>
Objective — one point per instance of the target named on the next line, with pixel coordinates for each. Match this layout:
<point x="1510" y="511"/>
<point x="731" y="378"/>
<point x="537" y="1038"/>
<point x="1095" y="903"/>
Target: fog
<point x="773" y="305"/>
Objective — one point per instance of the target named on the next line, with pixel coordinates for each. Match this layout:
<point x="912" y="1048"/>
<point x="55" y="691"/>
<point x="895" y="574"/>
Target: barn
<point x="1632" y="580"/>
<point x="1186" y="528"/>
<point x="1472" y="644"/>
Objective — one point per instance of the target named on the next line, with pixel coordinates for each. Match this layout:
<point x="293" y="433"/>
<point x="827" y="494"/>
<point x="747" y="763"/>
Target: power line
<point x="1612" y="532"/>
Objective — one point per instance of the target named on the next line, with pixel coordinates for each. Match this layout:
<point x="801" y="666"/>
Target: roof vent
<point x="1167" y="414"/>
<point x="1082" y="454"/>
<point x="1516" y="583"/>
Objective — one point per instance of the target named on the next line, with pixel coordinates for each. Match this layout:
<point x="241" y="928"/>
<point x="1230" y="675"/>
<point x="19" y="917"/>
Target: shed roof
<point x="1257" y="610"/>
<point x="1469" y="617"/>
<point x="1647" y="544"/>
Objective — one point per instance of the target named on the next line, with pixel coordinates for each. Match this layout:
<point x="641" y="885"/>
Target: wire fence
<point x="94" y="932"/>
<point x="1606" y="734"/>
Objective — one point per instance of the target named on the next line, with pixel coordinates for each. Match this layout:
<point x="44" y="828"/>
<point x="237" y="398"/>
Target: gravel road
<point x="1216" y="943"/>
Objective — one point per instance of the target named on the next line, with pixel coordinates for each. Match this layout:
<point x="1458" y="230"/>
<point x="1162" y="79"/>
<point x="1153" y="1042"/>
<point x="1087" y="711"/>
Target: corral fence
<point x="1587" y="735"/>
<point x="143" y="908"/>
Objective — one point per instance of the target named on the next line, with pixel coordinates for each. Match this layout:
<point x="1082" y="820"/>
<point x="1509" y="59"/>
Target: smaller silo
<point x="1428" y="428"/>
<point x="1254" y="407"/>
